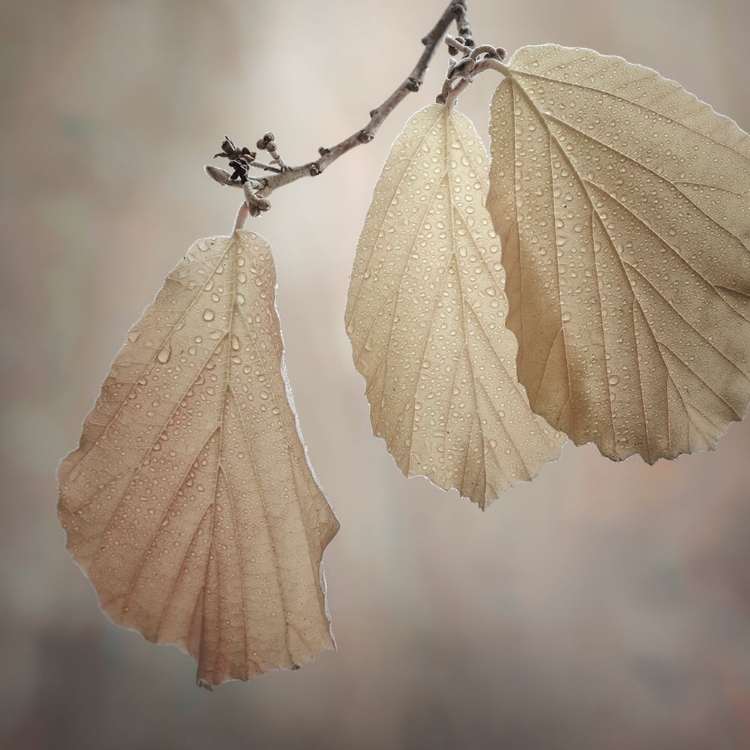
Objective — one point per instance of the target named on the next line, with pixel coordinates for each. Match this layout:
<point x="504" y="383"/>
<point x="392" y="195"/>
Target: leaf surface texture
<point x="623" y="205"/>
<point x="190" y="503"/>
<point x="425" y="316"/>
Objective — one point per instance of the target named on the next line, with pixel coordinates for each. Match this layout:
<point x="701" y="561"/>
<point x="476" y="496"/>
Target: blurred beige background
<point x="602" y="606"/>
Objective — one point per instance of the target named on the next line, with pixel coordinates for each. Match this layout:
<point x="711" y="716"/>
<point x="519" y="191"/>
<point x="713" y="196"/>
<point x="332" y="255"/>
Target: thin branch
<point x="265" y="167"/>
<point x="265" y="185"/>
<point x="464" y="29"/>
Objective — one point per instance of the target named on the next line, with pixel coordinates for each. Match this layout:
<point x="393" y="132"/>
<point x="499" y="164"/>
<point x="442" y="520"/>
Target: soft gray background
<point x="602" y="606"/>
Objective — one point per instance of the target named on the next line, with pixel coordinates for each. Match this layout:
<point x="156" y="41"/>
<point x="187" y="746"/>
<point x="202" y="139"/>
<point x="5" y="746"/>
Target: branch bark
<point x="265" y="185"/>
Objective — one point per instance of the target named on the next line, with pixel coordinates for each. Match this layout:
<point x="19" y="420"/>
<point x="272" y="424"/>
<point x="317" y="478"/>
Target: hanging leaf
<point x="426" y="314"/>
<point x="623" y="205"/>
<point x="190" y="503"/>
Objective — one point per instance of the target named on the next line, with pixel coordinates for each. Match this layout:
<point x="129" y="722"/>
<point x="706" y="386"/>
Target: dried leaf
<point x="623" y="204"/>
<point x="426" y="314"/>
<point x="190" y="503"/>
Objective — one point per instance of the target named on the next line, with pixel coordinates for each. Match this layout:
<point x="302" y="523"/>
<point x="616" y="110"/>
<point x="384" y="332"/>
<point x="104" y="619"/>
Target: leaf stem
<point x="451" y="90"/>
<point x="242" y="214"/>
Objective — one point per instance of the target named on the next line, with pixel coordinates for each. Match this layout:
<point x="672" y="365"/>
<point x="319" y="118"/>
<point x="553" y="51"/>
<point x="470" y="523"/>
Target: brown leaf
<point x="190" y="503"/>
<point x="623" y="204"/>
<point x="426" y="318"/>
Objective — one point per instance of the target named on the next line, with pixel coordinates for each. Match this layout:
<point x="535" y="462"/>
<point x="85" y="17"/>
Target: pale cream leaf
<point x="190" y="503"/>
